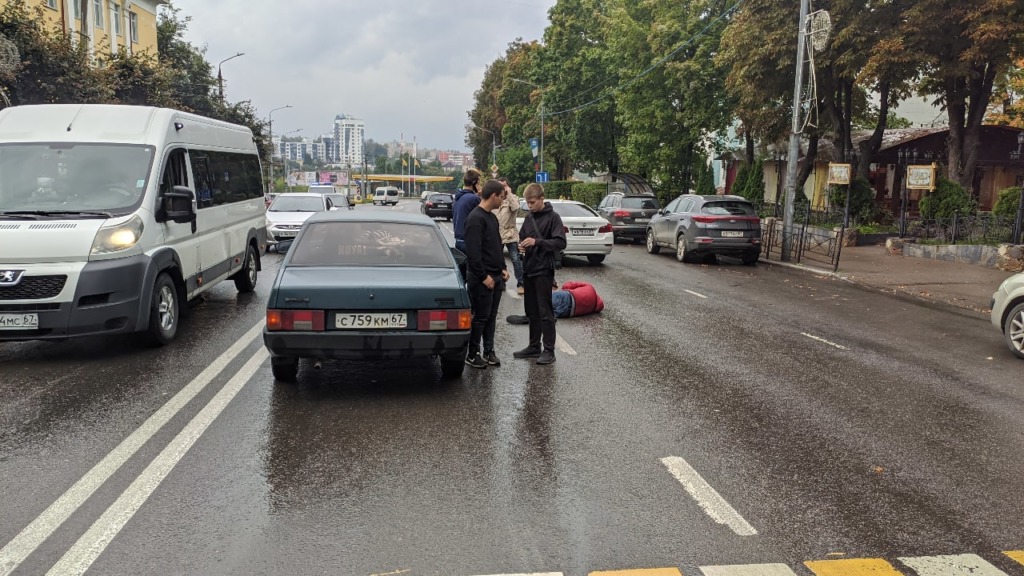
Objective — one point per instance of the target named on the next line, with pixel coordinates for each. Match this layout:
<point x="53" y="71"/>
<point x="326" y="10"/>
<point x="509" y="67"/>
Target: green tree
<point x="949" y="198"/>
<point x="705" y="177"/>
<point x="1008" y="202"/>
<point x="192" y="79"/>
<point x="516" y="164"/>
<point x="139" y="79"/>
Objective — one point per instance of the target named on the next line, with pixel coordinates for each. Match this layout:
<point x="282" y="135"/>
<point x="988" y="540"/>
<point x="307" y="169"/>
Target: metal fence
<point x="814" y="239"/>
<point x="977" y="229"/>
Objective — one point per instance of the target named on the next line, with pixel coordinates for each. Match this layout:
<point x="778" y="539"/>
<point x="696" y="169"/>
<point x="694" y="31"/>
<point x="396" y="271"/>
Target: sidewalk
<point x="965" y="286"/>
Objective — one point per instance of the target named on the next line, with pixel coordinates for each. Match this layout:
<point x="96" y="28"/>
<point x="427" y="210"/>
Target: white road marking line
<point x="695" y="294"/>
<point x="563" y="346"/>
<point x="19" y="548"/>
<point x="78" y="559"/>
<point x="822" y="340"/>
<point x="954" y="565"/>
<point x="707" y="498"/>
<point x="748" y="570"/>
<point x="531" y="574"/>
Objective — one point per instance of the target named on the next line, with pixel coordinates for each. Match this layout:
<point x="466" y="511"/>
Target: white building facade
<point x="349" y="133"/>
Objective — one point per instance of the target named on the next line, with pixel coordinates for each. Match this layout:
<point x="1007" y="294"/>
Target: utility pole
<point x="220" y="77"/>
<point x="794" y="137"/>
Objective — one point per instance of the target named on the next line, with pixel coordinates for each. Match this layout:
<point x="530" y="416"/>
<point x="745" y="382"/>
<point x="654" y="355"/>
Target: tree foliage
<point x="949" y="198"/>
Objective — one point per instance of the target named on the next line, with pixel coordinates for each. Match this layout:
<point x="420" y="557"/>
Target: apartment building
<point x="348" y="140"/>
<point x="109" y="25"/>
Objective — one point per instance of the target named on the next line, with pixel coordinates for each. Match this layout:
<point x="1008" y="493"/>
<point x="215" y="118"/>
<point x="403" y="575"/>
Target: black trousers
<point x="485" y="314"/>
<point x="538" y="309"/>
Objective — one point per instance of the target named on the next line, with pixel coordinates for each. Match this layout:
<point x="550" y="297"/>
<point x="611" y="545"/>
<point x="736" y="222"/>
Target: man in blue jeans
<point x="506" y="214"/>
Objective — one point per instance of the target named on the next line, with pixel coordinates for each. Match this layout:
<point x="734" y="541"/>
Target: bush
<point x="1008" y="202"/>
<point x="590" y="193"/>
<point x="948" y="199"/>
<point x="753" y="189"/>
<point x="739" y="186"/>
<point x="862" y="199"/>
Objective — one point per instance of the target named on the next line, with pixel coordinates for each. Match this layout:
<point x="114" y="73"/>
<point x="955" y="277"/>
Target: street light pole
<point x="794" y="136"/>
<point x="220" y="77"/>
<point x="270" y="129"/>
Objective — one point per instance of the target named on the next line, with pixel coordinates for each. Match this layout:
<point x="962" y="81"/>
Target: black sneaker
<point x="492" y="359"/>
<point x="528" y="352"/>
<point x="476" y="361"/>
<point x="546" y="357"/>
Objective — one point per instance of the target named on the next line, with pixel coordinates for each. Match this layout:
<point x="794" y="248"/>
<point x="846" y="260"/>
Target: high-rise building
<point x="348" y="139"/>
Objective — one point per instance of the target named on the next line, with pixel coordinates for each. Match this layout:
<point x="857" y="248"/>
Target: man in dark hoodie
<point x="465" y="200"/>
<point x="486" y="274"/>
<point x="541" y="238"/>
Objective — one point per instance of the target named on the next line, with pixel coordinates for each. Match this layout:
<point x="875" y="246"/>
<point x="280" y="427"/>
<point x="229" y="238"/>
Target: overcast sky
<point x="403" y="66"/>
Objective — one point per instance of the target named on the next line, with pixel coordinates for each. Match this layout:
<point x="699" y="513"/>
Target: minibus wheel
<point x="164" y="310"/>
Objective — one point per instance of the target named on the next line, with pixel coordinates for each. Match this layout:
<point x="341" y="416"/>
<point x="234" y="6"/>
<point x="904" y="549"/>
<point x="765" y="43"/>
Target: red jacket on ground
<point x="586" y="298"/>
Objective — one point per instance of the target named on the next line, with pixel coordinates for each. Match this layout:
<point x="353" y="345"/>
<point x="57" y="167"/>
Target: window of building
<point x="97" y="9"/>
<point x="51" y="4"/>
<point x="116" y="14"/>
<point x="76" y="9"/>
<point x="133" y="26"/>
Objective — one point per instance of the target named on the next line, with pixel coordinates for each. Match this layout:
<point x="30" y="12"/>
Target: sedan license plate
<point x="370" y="321"/>
<point x="19" y="321"/>
<point x="286" y="234"/>
<point x="642" y="220"/>
<point x="732" y="234"/>
<point x="583" y="231"/>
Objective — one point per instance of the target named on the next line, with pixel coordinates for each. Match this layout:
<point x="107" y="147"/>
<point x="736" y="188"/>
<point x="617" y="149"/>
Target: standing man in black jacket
<point x="541" y="238"/>
<point x="486" y="273"/>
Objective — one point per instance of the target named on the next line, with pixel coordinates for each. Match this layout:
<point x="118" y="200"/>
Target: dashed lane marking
<point x="640" y="572"/>
<point x="696" y="294"/>
<point x="853" y="567"/>
<point x="748" y="570"/>
<point x="954" y="565"/>
<point x="85" y="551"/>
<point x="1017" y="555"/>
<point x="15" y="551"/>
<point x="707" y="497"/>
<point x="823" y="341"/>
<point x="531" y="574"/>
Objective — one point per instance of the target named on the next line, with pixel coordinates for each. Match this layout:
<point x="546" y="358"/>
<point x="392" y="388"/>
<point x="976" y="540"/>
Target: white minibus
<point x="112" y="217"/>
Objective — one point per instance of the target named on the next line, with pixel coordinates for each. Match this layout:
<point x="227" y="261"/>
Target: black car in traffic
<point x="438" y="205"/>
<point x="629" y="214"/>
<point x="701" y="226"/>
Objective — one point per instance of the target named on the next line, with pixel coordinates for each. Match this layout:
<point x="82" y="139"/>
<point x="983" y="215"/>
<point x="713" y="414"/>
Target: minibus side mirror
<point x="181" y="210"/>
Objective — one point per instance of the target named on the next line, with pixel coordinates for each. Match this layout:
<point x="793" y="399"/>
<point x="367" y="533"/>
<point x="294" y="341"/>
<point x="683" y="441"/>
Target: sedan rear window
<point x="440" y="198"/>
<point x="638" y="203"/>
<point x="370" y="244"/>
<point x="569" y="210"/>
<point x="728" y="208"/>
<point x="297" y="204"/>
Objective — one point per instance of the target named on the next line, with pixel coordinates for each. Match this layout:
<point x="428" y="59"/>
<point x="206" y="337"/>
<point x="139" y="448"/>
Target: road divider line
<point x="696" y="294"/>
<point x="22" y="545"/>
<point x="530" y="574"/>
<point x="748" y="570"/>
<point x="954" y="565"/>
<point x="85" y="551"/>
<point x="1017" y="555"/>
<point x="852" y="567"/>
<point x="563" y="346"/>
<point x="639" y="572"/>
<point x="707" y="497"/>
<point x="823" y="341"/>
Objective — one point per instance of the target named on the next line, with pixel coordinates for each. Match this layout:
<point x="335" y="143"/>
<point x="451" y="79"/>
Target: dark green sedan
<point x="368" y="286"/>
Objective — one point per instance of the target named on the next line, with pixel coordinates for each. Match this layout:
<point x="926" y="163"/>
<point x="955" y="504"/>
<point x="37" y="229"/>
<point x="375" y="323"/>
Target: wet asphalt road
<point x="831" y="420"/>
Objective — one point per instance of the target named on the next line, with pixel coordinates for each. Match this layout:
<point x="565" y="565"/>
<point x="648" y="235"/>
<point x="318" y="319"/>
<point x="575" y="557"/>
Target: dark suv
<point x="629" y="214"/>
<point x="696" y="226"/>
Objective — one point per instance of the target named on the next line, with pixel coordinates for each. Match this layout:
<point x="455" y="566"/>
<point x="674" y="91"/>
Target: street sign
<point x="494" y="170"/>
<point x="542" y="177"/>
<point x="534" y="146"/>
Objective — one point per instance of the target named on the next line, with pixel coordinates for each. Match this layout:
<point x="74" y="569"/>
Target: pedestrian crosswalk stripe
<point x="852" y="567"/>
<point x="1017" y="555"/>
<point x="640" y="572"/>
<point x="748" y="570"/>
<point x="531" y="574"/>
<point x="954" y="565"/>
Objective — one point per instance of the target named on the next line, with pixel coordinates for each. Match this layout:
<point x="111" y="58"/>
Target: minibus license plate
<point x="19" y="321"/>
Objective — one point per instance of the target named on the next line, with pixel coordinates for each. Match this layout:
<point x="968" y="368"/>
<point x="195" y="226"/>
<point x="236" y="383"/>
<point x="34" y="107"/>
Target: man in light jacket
<point x="506" y="214"/>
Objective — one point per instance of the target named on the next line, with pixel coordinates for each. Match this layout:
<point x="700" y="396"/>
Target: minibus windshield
<point x="72" y="179"/>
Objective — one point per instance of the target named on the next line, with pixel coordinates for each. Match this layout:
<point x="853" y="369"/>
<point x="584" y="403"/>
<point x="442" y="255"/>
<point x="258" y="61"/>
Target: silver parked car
<point x="1008" y="312"/>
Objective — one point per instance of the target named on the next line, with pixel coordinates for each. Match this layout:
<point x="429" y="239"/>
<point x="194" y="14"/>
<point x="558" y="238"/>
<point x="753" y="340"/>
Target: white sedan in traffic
<point x="586" y="232"/>
<point x="289" y="211"/>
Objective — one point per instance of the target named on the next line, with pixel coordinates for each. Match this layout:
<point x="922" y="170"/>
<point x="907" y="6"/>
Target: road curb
<point x="896" y="293"/>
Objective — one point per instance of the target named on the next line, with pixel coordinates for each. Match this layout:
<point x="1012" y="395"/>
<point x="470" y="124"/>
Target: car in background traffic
<point x="289" y="211"/>
<point x="339" y="201"/>
<point x="586" y="232"/>
<point x="629" y="214"/>
<point x="438" y="205"/>
<point x="1008" y="312"/>
<point x="368" y="285"/>
<point x="385" y="195"/>
<point x="698" y="227"/>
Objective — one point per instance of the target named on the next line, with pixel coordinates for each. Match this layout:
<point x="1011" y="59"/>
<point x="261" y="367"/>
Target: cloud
<point x="404" y="66"/>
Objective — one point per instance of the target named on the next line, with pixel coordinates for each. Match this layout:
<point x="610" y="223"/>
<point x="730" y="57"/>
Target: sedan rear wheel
<point x="1013" y="330"/>
<point x="452" y="366"/>
<point x="595" y="259"/>
<point x="652" y="245"/>
<point x="285" y="369"/>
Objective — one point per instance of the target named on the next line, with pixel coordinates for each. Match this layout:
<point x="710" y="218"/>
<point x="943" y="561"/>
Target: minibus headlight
<point x="118" y="238"/>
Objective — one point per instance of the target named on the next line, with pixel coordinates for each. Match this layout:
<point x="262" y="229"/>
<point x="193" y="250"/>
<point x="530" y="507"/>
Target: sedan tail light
<point x="295" y="320"/>
<point x="430" y="204"/>
<point x="430" y="320"/>
<point x="621" y="213"/>
<point x="605" y="229"/>
<point x="565" y="229"/>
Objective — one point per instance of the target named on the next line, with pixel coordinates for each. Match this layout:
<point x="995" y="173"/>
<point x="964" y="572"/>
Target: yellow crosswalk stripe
<point x="853" y="567"/>
<point x="1017" y="555"/>
<point x="640" y="572"/>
